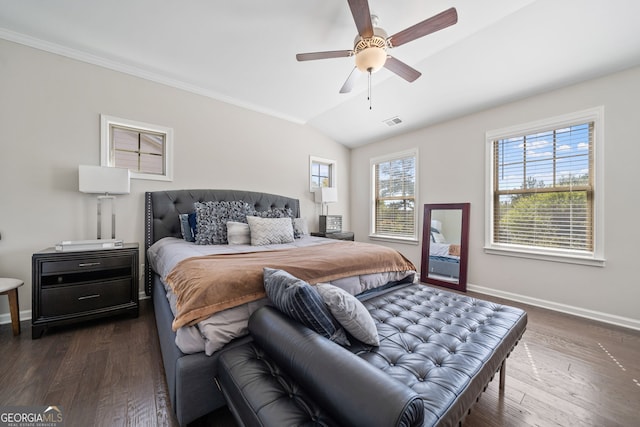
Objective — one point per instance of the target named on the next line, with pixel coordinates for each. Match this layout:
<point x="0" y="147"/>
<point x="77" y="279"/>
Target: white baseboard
<point x="563" y="308"/>
<point x="6" y="317"/>
<point x="26" y="314"/>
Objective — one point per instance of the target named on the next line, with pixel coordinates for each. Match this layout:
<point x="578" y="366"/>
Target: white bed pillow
<point x="238" y="233"/>
<point x="267" y="231"/>
<point x="436" y="236"/>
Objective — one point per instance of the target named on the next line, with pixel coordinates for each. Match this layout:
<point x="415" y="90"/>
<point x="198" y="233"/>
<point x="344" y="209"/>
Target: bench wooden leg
<point x="15" y="311"/>
<point x="503" y="371"/>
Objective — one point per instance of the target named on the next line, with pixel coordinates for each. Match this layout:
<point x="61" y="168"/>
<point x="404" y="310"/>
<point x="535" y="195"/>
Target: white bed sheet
<point x="441" y="249"/>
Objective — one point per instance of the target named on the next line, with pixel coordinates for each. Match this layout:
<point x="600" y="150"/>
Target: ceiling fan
<point x="372" y="43"/>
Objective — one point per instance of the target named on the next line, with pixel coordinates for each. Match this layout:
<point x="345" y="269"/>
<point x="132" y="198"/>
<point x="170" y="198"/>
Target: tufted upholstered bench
<point x="439" y="347"/>
<point x="445" y="346"/>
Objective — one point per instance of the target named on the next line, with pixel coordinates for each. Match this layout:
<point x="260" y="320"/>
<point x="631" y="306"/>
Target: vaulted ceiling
<point x="243" y="52"/>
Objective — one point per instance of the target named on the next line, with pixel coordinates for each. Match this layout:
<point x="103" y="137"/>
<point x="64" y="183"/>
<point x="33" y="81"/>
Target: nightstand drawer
<point x="79" y="298"/>
<point x="85" y="264"/>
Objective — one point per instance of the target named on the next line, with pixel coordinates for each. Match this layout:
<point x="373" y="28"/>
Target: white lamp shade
<point x="103" y="180"/>
<point x="326" y="195"/>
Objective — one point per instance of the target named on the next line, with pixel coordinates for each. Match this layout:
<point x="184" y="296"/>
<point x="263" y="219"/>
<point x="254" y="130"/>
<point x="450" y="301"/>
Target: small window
<point x="394" y="183"/>
<point x="544" y="195"/>
<point x="142" y="148"/>
<point x="322" y="173"/>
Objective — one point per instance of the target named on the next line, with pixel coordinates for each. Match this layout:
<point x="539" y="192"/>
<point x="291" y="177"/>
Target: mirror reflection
<point x="444" y="248"/>
<point x="444" y="245"/>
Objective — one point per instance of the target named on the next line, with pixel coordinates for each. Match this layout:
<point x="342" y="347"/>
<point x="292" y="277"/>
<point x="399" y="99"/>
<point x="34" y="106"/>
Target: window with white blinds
<point x="394" y="213"/>
<point x="543" y="188"/>
<point x="138" y="151"/>
<point x="142" y="148"/>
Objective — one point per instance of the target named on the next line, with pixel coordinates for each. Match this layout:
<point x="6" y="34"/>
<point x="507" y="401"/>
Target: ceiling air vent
<point x="392" y="121"/>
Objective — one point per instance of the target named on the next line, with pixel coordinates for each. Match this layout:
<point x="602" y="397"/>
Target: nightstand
<point x="75" y="286"/>
<point x="338" y="235"/>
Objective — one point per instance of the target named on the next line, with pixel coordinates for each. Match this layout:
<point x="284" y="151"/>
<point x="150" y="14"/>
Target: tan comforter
<point x="454" y="250"/>
<point x="208" y="284"/>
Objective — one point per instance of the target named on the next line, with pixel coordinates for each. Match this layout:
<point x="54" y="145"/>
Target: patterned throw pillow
<point x="267" y="231"/>
<point x="212" y="218"/>
<point x="300" y="301"/>
<point x="300" y="227"/>
<point x="280" y="213"/>
<point x="350" y="313"/>
<point x="274" y="213"/>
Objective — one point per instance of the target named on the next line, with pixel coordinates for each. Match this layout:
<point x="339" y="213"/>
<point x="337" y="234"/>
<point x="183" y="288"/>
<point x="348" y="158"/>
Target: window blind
<point x="543" y="189"/>
<point x="395" y="197"/>
<point x="138" y="151"/>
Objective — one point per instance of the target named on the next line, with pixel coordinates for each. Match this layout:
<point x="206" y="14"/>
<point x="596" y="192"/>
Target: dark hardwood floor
<point x="565" y="371"/>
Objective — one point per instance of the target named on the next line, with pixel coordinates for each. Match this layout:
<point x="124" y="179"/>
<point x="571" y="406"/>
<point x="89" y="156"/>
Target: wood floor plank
<point x="565" y="371"/>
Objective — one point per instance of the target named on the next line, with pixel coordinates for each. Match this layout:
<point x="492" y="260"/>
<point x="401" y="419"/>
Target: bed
<point x="189" y="353"/>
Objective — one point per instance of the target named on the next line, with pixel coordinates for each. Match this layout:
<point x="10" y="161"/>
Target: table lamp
<point x="105" y="181"/>
<point x="328" y="223"/>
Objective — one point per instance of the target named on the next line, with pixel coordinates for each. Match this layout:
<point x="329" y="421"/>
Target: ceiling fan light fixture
<point x="372" y="42"/>
<point x="371" y="59"/>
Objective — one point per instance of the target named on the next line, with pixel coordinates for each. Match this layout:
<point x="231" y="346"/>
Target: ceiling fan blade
<point x="428" y="26"/>
<point x="351" y="81"/>
<point x="362" y="17"/>
<point x="323" y="55"/>
<point x="400" y="68"/>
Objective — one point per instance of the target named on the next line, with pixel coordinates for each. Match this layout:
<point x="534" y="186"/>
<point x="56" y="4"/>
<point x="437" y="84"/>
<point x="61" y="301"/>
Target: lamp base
<point x="330" y="223"/>
<point x="101" y="199"/>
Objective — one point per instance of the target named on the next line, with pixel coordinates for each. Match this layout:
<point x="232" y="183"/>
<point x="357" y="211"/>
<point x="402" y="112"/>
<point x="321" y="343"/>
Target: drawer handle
<point x="89" y="297"/>
<point x="88" y="264"/>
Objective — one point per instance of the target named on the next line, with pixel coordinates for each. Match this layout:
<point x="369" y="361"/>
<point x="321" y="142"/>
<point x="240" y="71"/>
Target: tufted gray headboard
<point x="163" y="207"/>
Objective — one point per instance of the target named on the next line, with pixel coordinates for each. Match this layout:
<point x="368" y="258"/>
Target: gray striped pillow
<point x="300" y="301"/>
<point x="350" y="313"/>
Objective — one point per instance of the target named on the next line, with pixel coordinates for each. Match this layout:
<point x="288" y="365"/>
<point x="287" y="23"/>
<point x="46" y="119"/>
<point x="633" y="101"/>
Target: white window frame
<point x="107" y="151"/>
<point x="333" y="170"/>
<point x="594" y="258"/>
<point x="372" y="192"/>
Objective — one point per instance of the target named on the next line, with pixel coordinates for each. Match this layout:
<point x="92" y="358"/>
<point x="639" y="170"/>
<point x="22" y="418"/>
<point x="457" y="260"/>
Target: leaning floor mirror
<point x="445" y="239"/>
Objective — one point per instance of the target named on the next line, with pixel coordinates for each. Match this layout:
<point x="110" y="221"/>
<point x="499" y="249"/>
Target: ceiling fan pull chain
<point x="369" y="89"/>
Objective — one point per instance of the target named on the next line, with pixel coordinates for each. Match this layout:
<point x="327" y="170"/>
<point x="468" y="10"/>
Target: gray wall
<point x="452" y="170"/>
<point x="50" y="123"/>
